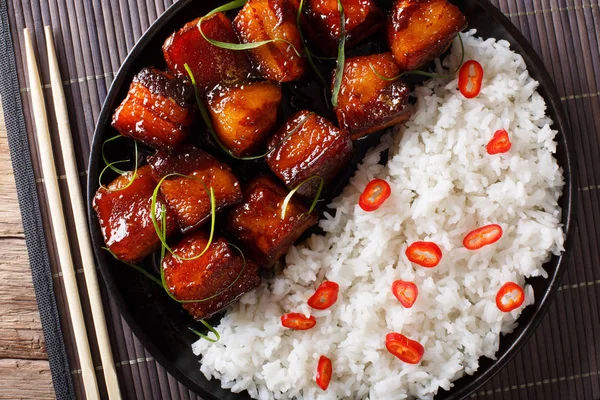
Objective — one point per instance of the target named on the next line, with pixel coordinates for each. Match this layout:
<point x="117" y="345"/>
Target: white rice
<point x="444" y="184"/>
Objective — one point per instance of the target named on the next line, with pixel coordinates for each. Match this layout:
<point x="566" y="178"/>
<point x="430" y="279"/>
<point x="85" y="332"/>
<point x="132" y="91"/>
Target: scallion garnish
<point x="137" y="268"/>
<point x="287" y="199"/>
<point x="238" y="46"/>
<point x="171" y="295"/>
<point x="307" y="52"/>
<point x="106" y="162"/>
<point x="210" y="328"/>
<point x="111" y="166"/>
<point x="341" y="57"/>
<point x="161" y="231"/>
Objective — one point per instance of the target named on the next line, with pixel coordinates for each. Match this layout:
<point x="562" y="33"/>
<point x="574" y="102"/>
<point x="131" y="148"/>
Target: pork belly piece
<point x="158" y="109"/>
<point x="262" y="20"/>
<point x="308" y="145"/>
<point x="363" y="18"/>
<point x="188" y="198"/>
<point x="366" y="102"/>
<point x="257" y="224"/>
<point x="208" y="275"/>
<point x="209" y="64"/>
<point x="420" y="30"/>
<point x="124" y="215"/>
<point x="243" y="115"/>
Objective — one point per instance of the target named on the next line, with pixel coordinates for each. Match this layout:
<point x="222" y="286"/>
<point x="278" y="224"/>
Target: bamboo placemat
<point x="561" y="360"/>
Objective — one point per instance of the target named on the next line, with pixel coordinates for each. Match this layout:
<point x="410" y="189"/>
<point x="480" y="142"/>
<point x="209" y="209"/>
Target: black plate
<point x="160" y="323"/>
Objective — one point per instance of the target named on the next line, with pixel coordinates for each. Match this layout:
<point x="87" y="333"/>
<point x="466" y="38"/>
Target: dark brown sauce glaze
<point x="164" y="83"/>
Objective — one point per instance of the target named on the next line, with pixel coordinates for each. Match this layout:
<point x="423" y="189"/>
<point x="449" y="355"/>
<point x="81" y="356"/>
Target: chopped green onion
<point x="137" y="268"/>
<point x="110" y="166"/>
<point x="232" y="5"/>
<point x="117" y="170"/>
<point x="341" y="57"/>
<point x="210" y="328"/>
<point x="164" y="282"/>
<point x="287" y="199"/>
<point x="161" y="231"/>
<point x="307" y="51"/>
<point x="209" y="125"/>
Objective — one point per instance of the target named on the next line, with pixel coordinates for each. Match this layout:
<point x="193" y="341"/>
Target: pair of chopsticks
<point x="59" y="225"/>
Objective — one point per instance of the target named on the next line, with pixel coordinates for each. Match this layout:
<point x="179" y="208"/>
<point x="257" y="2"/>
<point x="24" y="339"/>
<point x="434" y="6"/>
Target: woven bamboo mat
<point x="562" y="359"/>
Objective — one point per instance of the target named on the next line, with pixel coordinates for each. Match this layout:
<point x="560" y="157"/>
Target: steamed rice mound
<point x="444" y="185"/>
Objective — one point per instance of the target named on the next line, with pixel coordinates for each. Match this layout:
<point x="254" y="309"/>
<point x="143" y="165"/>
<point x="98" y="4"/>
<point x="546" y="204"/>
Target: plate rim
<point x="561" y="123"/>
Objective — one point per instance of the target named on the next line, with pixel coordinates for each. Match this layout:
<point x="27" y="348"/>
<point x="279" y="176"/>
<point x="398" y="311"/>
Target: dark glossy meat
<point x="124" y="216"/>
<point x="208" y="275"/>
<point x="262" y="20"/>
<point x="308" y="145"/>
<point x="257" y="225"/>
<point x="243" y="115"/>
<point x="322" y="26"/>
<point x="366" y="102"/>
<point x="157" y="111"/>
<point x="210" y="64"/>
<point x="188" y="198"/>
<point x="420" y="30"/>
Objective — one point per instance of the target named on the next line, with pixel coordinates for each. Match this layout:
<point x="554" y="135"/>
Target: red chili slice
<point x="376" y="192"/>
<point x="500" y="143"/>
<point x="426" y="254"/>
<point x="324" y="372"/>
<point x="482" y="236"/>
<point x="405" y="292"/>
<point x="298" y="321"/>
<point x="509" y="297"/>
<point x="470" y="77"/>
<point x="404" y="348"/>
<point x="325" y="296"/>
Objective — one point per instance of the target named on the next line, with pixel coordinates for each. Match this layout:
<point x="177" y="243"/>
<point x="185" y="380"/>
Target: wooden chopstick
<point x="58" y="223"/>
<point x="79" y="215"/>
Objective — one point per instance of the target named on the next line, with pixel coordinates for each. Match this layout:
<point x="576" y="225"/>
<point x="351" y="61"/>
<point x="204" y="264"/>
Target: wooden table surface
<point x="24" y="368"/>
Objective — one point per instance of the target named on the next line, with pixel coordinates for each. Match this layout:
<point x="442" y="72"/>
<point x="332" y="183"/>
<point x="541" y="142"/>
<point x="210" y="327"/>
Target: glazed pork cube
<point x="420" y="30"/>
<point x="219" y="271"/>
<point x="243" y="115"/>
<point x="157" y="111"/>
<point x="188" y="198"/>
<point x="257" y="224"/>
<point x="363" y="18"/>
<point x="368" y="103"/>
<point x="262" y="20"/>
<point x="123" y="211"/>
<point x="308" y="145"/>
<point x="210" y="64"/>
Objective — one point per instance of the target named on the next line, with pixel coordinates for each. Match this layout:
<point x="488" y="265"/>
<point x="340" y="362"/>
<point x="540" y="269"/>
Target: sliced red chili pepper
<point x="482" y="236"/>
<point x="405" y="349"/>
<point x="470" y="77"/>
<point x="325" y="296"/>
<point x="298" y="321"/>
<point x="324" y="372"/>
<point x="509" y="297"/>
<point x="405" y="292"/>
<point x="426" y="254"/>
<point x="376" y="192"/>
<point x="500" y="143"/>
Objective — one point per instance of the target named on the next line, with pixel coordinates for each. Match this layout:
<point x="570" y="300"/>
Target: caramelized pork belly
<point x="157" y="111"/>
<point x="367" y="102"/>
<point x="243" y="115"/>
<point x="308" y="145"/>
<point x="219" y="272"/>
<point x="420" y="30"/>
<point x="262" y="20"/>
<point x="188" y="198"/>
<point x="257" y="224"/>
<point x="210" y="64"/>
<point x="322" y="26"/>
<point x="123" y="211"/>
